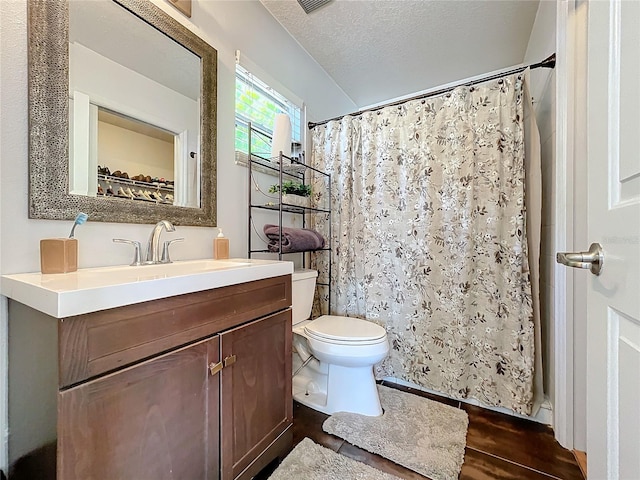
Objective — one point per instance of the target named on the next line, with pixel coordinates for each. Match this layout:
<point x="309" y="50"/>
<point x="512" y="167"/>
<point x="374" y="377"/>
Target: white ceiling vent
<point x="310" y="5"/>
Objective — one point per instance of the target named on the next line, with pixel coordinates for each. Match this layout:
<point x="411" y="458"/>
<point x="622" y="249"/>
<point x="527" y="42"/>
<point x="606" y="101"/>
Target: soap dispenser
<point x="220" y="246"/>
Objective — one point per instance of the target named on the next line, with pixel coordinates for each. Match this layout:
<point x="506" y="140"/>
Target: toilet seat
<point x="339" y="330"/>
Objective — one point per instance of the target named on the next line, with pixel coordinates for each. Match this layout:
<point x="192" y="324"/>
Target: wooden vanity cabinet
<point x="156" y="420"/>
<point x="256" y="393"/>
<point x="196" y="386"/>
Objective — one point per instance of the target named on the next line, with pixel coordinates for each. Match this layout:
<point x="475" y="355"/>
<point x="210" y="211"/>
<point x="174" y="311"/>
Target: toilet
<point x="333" y="356"/>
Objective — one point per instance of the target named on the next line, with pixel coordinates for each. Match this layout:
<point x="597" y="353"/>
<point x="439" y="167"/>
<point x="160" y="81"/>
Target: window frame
<point x="273" y="94"/>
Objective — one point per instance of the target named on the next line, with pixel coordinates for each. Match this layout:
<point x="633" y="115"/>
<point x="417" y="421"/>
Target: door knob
<point x="593" y="259"/>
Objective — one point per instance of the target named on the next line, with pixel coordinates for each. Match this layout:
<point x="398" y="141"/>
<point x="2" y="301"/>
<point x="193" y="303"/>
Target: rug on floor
<point x="310" y="461"/>
<point x="425" y="436"/>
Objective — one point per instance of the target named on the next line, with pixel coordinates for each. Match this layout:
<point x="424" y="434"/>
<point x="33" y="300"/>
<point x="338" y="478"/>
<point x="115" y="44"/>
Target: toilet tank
<point x="303" y="287"/>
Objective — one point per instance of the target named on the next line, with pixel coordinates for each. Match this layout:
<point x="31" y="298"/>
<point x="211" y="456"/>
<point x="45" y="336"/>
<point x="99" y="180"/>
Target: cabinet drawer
<point x="99" y="342"/>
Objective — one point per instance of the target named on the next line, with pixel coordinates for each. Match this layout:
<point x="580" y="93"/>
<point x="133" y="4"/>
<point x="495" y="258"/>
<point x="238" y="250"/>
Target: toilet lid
<point x="344" y="329"/>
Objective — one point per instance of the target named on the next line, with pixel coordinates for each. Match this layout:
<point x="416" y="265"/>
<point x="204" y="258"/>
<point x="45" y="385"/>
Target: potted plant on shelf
<point x="293" y="193"/>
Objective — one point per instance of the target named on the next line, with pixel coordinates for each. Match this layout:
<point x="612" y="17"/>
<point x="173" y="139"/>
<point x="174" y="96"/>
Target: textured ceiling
<point x="376" y="50"/>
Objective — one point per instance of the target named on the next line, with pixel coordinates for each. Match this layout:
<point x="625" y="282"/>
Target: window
<point x="258" y="103"/>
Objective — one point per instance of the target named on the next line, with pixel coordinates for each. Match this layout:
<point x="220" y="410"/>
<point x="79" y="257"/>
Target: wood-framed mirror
<point x="70" y="121"/>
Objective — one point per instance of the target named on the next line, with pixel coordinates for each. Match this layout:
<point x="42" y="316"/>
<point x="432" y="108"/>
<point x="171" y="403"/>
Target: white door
<point x="613" y="298"/>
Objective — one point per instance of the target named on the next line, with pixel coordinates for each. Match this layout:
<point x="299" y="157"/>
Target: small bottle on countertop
<point x="220" y="246"/>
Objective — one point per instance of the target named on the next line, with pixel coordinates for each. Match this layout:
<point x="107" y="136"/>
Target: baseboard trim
<point x="544" y="414"/>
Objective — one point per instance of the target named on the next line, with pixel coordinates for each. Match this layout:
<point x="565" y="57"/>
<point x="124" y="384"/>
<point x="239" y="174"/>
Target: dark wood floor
<point x="498" y="446"/>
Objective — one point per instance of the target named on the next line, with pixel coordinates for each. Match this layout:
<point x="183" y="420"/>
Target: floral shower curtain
<point x="428" y="227"/>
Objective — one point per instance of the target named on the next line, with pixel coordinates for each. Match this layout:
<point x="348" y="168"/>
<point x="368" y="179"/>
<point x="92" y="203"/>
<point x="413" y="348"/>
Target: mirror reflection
<point x="140" y="147"/>
<point x="134" y="109"/>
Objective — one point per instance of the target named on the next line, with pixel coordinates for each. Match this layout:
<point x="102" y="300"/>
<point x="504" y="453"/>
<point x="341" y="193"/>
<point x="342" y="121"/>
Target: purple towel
<point x="293" y="239"/>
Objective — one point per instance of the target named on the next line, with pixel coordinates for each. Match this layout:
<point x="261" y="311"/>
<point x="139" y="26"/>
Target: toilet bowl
<point x="334" y="356"/>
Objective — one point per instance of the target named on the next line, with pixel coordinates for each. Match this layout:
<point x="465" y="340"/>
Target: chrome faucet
<point x="153" y="247"/>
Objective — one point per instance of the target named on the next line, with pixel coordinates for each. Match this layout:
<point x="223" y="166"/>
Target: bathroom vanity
<point x="192" y="383"/>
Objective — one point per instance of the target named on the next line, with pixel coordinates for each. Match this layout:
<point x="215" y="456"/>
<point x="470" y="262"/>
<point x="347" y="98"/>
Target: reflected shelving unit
<point x="288" y="168"/>
<point x="106" y="181"/>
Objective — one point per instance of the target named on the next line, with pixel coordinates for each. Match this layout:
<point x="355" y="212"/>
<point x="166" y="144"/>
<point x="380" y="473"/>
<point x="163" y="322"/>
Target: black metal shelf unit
<point x="285" y="167"/>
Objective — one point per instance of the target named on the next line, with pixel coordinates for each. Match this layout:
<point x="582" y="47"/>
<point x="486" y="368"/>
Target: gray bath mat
<point x="425" y="436"/>
<point x="309" y="461"/>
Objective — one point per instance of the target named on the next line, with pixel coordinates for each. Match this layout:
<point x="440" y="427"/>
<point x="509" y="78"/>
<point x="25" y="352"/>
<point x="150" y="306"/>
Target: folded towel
<point x="293" y="239"/>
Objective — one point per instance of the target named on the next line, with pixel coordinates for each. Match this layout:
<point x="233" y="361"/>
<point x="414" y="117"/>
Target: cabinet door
<point x="256" y="390"/>
<point x="155" y="420"/>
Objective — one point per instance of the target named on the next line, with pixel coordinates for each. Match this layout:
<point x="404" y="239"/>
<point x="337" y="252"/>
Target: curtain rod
<point x="549" y="62"/>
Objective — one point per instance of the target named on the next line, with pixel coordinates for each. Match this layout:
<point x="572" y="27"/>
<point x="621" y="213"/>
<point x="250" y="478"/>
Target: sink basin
<point x="126" y="273"/>
<point x="93" y="289"/>
<point x="187" y="267"/>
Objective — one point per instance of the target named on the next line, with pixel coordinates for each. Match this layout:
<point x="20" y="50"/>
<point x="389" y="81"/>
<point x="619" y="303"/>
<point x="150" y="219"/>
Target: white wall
<point x="135" y="153"/>
<point x="228" y="26"/>
<point x="542" y="43"/>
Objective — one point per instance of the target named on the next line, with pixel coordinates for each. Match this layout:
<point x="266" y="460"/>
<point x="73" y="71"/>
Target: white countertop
<point x="93" y="289"/>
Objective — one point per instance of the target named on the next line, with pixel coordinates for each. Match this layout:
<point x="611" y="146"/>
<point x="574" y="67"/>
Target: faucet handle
<point x="165" y="249"/>
<point x="136" y="254"/>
